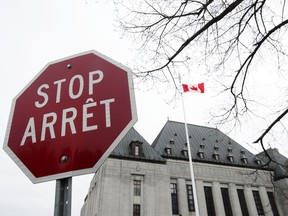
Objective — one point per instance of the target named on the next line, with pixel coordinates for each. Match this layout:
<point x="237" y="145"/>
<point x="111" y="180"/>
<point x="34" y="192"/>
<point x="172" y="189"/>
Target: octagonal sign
<point x="70" y="117"/>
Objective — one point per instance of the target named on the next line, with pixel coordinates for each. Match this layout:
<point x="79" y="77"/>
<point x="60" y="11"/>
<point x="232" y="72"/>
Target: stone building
<point x="139" y="179"/>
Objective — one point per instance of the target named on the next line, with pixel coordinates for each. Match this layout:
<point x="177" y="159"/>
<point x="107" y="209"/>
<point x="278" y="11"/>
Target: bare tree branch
<point x="228" y="37"/>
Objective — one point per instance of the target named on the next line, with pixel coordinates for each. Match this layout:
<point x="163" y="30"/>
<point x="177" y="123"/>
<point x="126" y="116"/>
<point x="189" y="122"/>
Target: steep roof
<point x="278" y="162"/>
<point x="124" y="149"/>
<point x="274" y="154"/>
<point x="203" y="140"/>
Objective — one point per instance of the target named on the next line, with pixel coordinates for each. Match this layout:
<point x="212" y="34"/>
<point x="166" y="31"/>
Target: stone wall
<point x="111" y="190"/>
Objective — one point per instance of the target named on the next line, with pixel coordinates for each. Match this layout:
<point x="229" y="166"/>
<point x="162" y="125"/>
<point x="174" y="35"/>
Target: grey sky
<point x="34" y="33"/>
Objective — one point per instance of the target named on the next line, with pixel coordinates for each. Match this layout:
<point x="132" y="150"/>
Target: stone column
<point x="265" y="201"/>
<point x="250" y="200"/>
<point x="217" y="199"/>
<point x="281" y="194"/>
<point x="201" y="197"/>
<point x="234" y="199"/>
<point x="182" y="197"/>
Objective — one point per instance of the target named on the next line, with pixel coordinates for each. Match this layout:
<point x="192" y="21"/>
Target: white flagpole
<point x="190" y="161"/>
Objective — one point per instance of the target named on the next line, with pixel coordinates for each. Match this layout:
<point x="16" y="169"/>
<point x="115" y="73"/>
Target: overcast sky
<point x="34" y="33"/>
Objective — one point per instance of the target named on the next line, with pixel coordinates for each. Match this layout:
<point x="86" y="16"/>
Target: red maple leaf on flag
<point x="193" y="88"/>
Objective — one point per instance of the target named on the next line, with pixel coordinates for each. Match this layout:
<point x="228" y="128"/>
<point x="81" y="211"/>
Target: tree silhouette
<point x="229" y="39"/>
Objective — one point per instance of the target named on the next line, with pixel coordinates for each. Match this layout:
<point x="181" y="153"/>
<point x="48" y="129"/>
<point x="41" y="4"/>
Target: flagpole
<point x="190" y="161"/>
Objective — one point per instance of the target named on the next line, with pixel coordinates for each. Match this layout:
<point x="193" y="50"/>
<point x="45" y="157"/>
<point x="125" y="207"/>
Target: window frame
<point x="243" y="203"/>
<point x="226" y="201"/>
<point x="185" y="153"/>
<point x="136" y="187"/>
<point x="190" y="198"/>
<point x="258" y="203"/>
<point x="272" y="201"/>
<point x="231" y="158"/>
<point x="174" y="198"/>
<point x="136" y="210"/>
<point x="201" y="155"/>
<point x="136" y="150"/>
<point x="209" y="201"/>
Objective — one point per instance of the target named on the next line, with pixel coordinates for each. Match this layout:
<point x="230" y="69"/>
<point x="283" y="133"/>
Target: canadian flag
<point x="193" y="88"/>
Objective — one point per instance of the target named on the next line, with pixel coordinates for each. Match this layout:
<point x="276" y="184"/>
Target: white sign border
<point x="108" y="151"/>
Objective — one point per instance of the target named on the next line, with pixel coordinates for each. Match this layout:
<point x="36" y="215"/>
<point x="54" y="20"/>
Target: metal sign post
<point x="63" y="197"/>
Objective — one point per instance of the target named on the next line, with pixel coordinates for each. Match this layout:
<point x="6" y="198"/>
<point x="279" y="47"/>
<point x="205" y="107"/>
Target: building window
<point x="273" y="203"/>
<point x="258" y="162"/>
<point x="136" y="150"/>
<point x="185" y="153"/>
<point x="209" y="201"/>
<point x="231" y="159"/>
<point x="190" y="199"/>
<point x="137" y="187"/>
<point x="136" y="210"/>
<point x="244" y="160"/>
<point x="243" y="157"/>
<point x="230" y="155"/>
<point x="174" y="199"/>
<point x="242" y="200"/>
<point x="229" y="149"/>
<point x="226" y="202"/>
<point x="201" y="155"/>
<point x="216" y="157"/>
<point x="258" y="203"/>
<point x="168" y="151"/>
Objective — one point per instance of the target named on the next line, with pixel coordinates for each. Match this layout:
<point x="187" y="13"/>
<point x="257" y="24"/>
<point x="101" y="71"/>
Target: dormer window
<point x="185" y="153"/>
<point x="243" y="157"/>
<point x="229" y="149"/>
<point x="136" y="148"/>
<point x="257" y="161"/>
<point x="172" y="141"/>
<point x="216" y="153"/>
<point x="230" y="155"/>
<point x="201" y="155"/>
<point x="244" y="160"/>
<point x="201" y="149"/>
<point x="231" y="158"/>
<point x="168" y="149"/>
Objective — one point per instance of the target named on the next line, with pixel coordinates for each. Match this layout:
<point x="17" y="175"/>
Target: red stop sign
<point x="70" y="117"/>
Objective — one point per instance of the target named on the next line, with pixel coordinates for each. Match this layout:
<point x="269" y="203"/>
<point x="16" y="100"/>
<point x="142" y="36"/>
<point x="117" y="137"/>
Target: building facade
<point x="140" y="179"/>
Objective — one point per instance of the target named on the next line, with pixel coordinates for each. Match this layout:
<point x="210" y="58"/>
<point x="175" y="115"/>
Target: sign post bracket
<point x="63" y="197"/>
